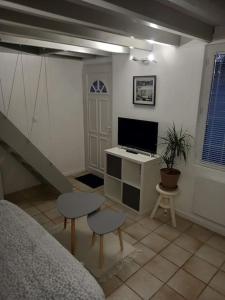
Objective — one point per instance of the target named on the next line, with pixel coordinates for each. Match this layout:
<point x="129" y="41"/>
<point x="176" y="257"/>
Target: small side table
<point x="103" y="222"/>
<point x="166" y="201"/>
<point x="75" y="205"/>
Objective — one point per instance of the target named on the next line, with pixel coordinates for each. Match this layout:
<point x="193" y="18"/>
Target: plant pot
<point x="169" y="178"/>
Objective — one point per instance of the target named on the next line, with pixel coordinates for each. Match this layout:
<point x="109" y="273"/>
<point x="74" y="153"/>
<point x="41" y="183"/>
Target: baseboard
<point x="201" y="221"/>
<point x="96" y="172"/>
<point x="74" y="172"/>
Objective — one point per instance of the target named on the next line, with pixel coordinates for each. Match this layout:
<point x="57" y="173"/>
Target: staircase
<point x="21" y="148"/>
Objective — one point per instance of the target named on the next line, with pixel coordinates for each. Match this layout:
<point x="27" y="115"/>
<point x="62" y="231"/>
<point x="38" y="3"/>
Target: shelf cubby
<point x="113" y="188"/>
<point x="113" y="164"/>
<point x="131" y="196"/>
<point x="131" y="173"/>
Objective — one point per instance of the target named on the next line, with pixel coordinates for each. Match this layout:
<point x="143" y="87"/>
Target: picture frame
<point x="144" y="90"/>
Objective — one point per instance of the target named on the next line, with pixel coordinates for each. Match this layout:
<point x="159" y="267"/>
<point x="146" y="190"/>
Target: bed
<point x="33" y="265"/>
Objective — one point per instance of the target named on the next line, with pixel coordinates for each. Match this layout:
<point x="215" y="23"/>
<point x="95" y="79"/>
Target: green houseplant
<point x="177" y="145"/>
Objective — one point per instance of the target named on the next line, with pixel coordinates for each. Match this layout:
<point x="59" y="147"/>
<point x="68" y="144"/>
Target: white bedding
<point x="33" y="265"/>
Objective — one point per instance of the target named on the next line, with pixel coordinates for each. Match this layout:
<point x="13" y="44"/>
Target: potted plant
<point x="177" y="145"/>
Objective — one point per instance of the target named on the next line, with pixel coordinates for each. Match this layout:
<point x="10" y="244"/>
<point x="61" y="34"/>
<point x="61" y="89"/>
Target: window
<point x="98" y="87"/>
<point x="213" y="148"/>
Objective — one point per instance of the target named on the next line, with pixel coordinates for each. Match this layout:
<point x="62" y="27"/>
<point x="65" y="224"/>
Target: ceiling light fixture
<point x="153" y="25"/>
<point x="158" y="43"/>
<point x="151" y="57"/>
<point x="142" y="56"/>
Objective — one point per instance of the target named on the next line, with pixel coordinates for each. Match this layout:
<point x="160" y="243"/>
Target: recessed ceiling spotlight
<point x="131" y="47"/>
<point x="132" y="37"/>
<point x="153" y="25"/>
<point x="151" y="41"/>
<point x="155" y="42"/>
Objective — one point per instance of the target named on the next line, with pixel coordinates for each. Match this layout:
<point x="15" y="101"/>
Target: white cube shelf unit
<point x="131" y="179"/>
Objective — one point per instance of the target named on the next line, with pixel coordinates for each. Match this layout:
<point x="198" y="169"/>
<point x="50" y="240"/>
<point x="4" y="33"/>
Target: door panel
<point x="93" y="150"/>
<point x="103" y="144"/>
<point x="92" y="115"/>
<point x="104" y="122"/>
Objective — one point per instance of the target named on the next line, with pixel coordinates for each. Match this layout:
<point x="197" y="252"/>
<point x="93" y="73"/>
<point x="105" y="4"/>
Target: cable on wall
<point x="48" y="108"/>
<point x="11" y="90"/>
<point x="36" y="97"/>
<point x="24" y="92"/>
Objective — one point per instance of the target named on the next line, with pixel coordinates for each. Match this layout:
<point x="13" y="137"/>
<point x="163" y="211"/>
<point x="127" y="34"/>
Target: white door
<point x="98" y="110"/>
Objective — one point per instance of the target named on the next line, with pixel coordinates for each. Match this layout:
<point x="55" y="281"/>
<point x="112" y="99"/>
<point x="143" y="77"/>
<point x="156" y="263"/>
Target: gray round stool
<point x="103" y="222"/>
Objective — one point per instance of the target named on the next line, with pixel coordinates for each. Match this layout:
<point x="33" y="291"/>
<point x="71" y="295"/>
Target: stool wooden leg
<point x="101" y="254"/>
<point x="65" y="222"/>
<point x="73" y="237"/>
<point x="172" y="212"/>
<point x="120" y="238"/>
<point x="93" y="239"/>
<point x="156" y="207"/>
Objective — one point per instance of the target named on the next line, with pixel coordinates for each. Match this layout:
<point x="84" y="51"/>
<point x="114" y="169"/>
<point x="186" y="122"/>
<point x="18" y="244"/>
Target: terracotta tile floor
<point x="169" y="264"/>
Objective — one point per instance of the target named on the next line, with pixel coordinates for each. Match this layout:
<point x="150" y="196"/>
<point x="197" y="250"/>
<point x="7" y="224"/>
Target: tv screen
<point x="138" y="134"/>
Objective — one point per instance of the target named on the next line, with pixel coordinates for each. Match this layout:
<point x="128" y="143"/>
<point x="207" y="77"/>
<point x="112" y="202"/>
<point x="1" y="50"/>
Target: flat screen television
<point x="138" y="134"/>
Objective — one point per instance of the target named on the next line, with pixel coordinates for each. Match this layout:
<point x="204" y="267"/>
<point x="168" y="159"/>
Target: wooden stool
<point x="166" y="201"/>
<point x="103" y="222"/>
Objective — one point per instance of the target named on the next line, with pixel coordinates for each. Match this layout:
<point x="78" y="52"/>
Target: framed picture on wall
<point x="144" y="90"/>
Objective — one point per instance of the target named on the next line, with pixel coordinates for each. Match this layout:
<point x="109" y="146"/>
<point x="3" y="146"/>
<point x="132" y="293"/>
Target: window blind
<point x="214" y="138"/>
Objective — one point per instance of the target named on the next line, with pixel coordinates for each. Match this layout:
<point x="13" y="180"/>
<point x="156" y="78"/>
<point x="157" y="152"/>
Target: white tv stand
<point x="131" y="179"/>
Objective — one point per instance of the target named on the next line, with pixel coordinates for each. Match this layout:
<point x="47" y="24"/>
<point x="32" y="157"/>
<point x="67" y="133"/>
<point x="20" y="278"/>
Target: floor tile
<point x="109" y="202"/>
<point x="217" y="242"/>
<point x="132" y="215"/>
<point x="210" y="294"/>
<point x="186" y="285"/>
<point x="166" y="293"/>
<point x="32" y="211"/>
<point x="110" y="285"/>
<point x="144" y="284"/>
<point x="167" y="232"/>
<point x="211" y="255"/>
<point x="182" y="224"/>
<point x="161" y="268"/>
<point x="200" y="268"/>
<point x="36" y="202"/>
<point x="137" y="231"/>
<point x="52" y="213"/>
<point x="162" y="217"/>
<point x="41" y="219"/>
<point x="142" y="254"/>
<point x="25" y="204"/>
<point x="187" y="242"/>
<point x="155" y="242"/>
<point x="150" y="224"/>
<point x="124" y="293"/>
<point x="58" y="220"/>
<point x="199" y="232"/>
<point x="128" y="222"/>
<point x="48" y="226"/>
<point x="176" y="254"/>
<point x="129" y="239"/>
<point x="218" y="282"/>
<point x="128" y="268"/>
<point x="82" y="187"/>
<point x="47" y="205"/>
<point x="223" y="267"/>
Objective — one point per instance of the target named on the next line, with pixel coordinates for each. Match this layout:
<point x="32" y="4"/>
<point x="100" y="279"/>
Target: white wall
<point x="178" y="72"/>
<point x="58" y="127"/>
